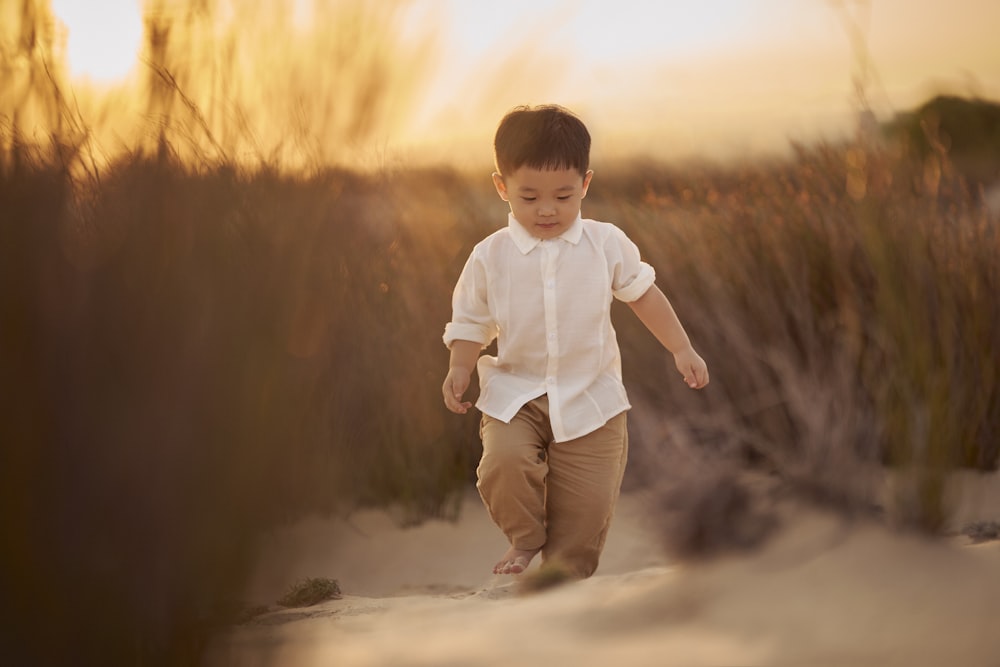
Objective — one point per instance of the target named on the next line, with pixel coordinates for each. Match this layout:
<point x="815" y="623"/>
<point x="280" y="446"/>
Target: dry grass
<point x="842" y="300"/>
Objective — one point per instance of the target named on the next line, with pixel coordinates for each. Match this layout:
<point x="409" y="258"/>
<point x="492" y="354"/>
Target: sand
<point x="822" y="591"/>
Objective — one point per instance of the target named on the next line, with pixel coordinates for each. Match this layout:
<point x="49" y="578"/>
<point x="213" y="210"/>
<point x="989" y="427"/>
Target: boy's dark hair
<point x="541" y="137"/>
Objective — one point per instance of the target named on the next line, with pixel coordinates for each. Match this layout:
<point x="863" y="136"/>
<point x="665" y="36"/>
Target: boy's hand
<point x="454" y="387"/>
<point x="692" y="367"/>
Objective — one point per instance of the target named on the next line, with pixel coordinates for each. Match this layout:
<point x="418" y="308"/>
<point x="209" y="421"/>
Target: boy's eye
<point x="528" y="198"/>
<point x="563" y="197"/>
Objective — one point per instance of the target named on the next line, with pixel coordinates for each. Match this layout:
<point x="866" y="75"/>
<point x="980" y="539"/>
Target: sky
<point x="698" y="76"/>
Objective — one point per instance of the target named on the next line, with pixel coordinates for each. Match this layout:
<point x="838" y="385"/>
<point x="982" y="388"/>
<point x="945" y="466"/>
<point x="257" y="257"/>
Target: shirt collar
<point x="525" y="242"/>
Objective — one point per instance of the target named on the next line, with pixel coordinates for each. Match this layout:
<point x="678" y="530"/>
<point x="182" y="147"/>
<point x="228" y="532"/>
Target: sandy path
<point x="822" y="592"/>
<point x="372" y="557"/>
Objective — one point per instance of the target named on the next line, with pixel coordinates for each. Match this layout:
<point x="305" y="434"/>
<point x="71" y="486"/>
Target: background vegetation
<point x="193" y="352"/>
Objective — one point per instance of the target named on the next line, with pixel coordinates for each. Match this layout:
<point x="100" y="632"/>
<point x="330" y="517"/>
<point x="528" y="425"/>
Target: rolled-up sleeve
<point x="471" y="319"/>
<point x="630" y="276"/>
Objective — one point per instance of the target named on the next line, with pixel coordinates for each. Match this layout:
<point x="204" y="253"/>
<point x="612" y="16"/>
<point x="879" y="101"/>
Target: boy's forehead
<point x="532" y="177"/>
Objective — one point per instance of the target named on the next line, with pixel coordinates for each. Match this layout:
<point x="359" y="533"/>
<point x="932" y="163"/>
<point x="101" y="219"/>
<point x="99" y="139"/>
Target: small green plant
<point x="311" y="591"/>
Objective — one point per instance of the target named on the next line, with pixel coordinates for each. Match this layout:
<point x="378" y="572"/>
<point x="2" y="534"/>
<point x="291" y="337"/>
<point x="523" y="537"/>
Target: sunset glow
<point x="103" y="38"/>
<point x="675" y="79"/>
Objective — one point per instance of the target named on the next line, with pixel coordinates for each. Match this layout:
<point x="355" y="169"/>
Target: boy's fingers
<point x="696" y="377"/>
<point x="452" y="394"/>
<point x="454" y="405"/>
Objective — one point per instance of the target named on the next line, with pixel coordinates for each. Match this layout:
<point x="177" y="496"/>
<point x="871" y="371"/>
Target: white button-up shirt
<point x="548" y="302"/>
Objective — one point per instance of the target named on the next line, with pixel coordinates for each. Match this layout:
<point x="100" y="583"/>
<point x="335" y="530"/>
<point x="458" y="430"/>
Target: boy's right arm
<point x="464" y="354"/>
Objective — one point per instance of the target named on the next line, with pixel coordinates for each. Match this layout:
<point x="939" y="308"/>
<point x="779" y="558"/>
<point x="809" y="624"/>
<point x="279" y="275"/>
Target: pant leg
<point x="511" y="474"/>
<point x="585" y="476"/>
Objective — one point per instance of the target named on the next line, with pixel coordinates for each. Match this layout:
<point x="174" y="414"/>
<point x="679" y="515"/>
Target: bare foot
<point x="515" y="561"/>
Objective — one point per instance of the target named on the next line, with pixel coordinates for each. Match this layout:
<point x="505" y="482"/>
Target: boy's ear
<point x="586" y="182"/>
<point x="500" y="186"/>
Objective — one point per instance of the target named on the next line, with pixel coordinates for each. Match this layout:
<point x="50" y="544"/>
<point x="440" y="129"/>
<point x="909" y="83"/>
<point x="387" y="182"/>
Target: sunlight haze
<point x="103" y="37"/>
<point x="670" y="78"/>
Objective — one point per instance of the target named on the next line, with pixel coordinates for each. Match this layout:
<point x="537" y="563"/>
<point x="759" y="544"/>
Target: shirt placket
<point x="550" y="255"/>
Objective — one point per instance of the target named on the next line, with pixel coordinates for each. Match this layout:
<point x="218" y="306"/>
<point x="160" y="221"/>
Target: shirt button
<point x="552" y="336"/>
<point x="550" y="284"/>
<point x="550" y="380"/>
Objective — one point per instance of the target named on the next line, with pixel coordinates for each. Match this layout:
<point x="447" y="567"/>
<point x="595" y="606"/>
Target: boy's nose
<point x="546" y="211"/>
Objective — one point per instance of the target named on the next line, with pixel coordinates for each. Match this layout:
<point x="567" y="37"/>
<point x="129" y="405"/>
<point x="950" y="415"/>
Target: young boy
<point x="552" y="400"/>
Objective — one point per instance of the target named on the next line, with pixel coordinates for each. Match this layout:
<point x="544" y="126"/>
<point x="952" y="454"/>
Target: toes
<point x="515" y="565"/>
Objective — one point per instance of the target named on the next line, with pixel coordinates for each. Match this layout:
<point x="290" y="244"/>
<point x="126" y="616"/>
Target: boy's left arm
<point x="654" y="310"/>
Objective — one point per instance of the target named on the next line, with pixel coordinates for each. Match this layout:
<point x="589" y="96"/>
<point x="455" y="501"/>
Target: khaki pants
<point x="557" y="496"/>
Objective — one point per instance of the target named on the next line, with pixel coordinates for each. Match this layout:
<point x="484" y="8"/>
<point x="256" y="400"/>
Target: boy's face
<point x="544" y="201"/>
